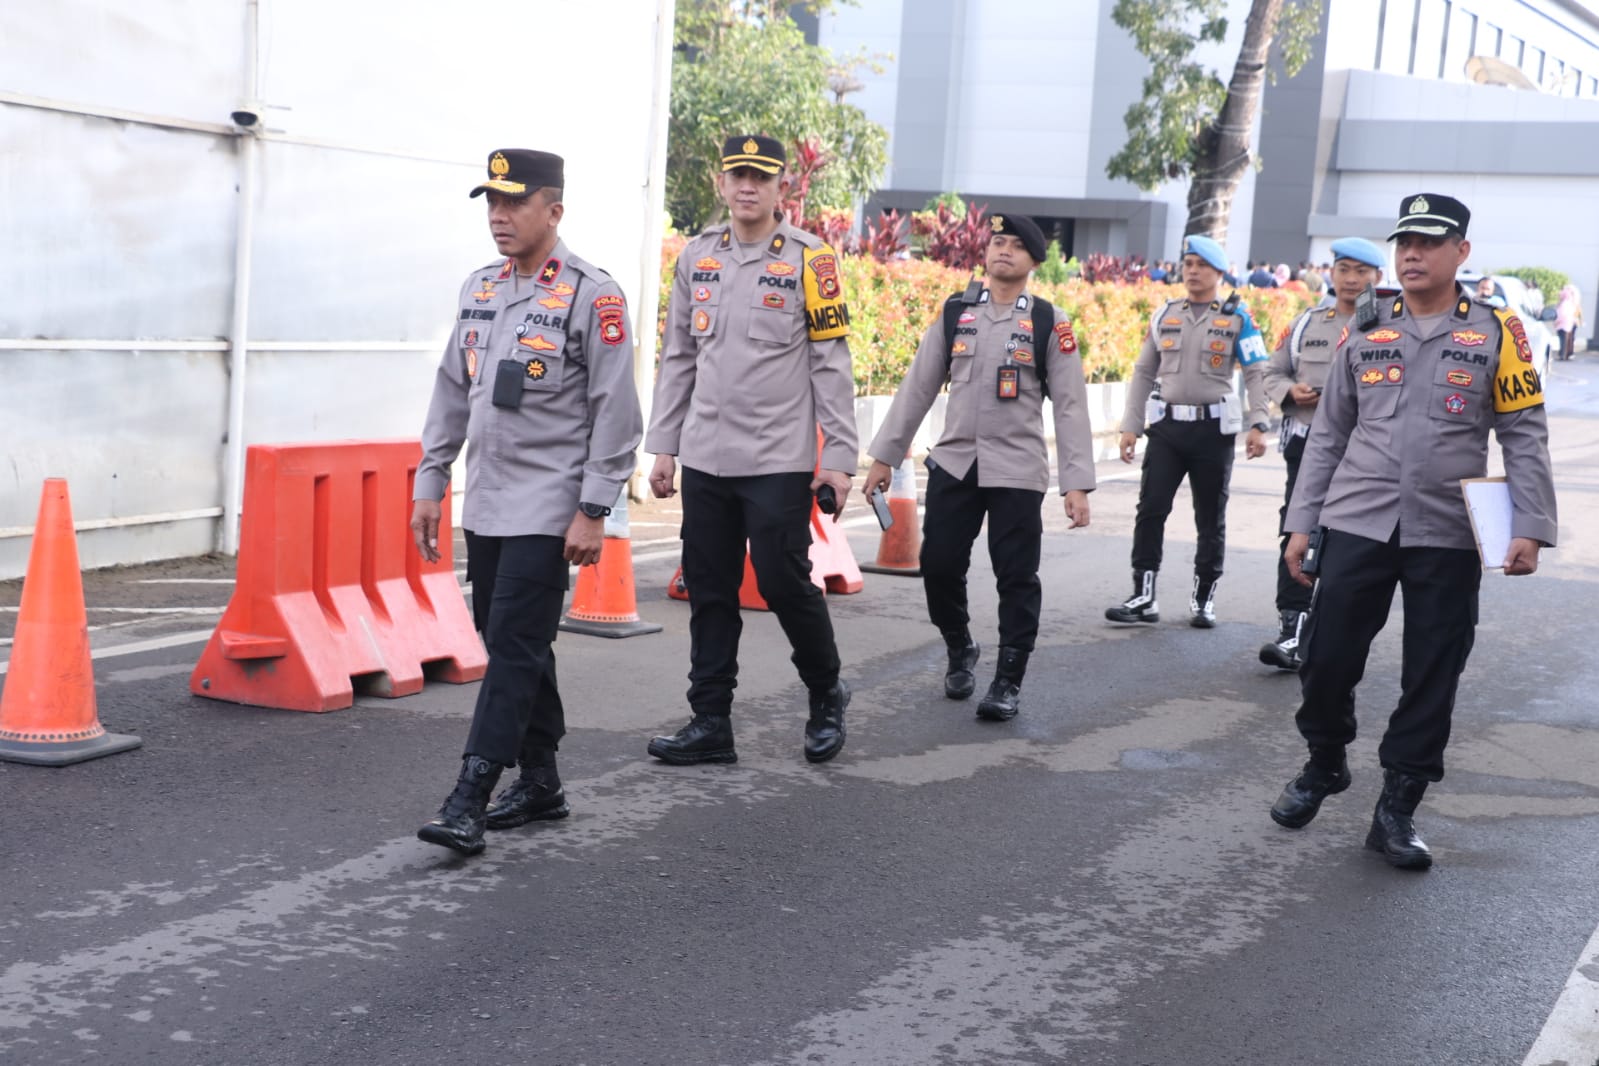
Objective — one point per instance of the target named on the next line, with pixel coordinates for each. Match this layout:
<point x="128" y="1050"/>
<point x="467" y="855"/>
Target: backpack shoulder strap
<point x="1043" y="331"/>
<point x="952" y="313"/>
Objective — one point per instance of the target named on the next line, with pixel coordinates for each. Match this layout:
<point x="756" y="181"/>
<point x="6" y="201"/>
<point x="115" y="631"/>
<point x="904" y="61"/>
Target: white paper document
<point x="1488" y="502"/>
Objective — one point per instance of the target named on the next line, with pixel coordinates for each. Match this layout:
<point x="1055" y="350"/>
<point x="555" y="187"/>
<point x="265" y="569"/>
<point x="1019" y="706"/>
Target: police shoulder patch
<point x="826" y="313"/>
<point x="1516" y="385"/>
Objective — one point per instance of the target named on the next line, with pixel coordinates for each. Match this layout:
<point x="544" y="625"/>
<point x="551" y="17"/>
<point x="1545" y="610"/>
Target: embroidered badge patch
<point x="1218" y="346"/>
<point x="1370" y="377"/>
<point x="773" y="299"/>
<point x="958" y="348"/>
<point x="471" y="362"/>
<point x="1519" y="332"/>
<point x="1171" y="321"/>
<point x="702" y="321"/>
<point x="782" y="270"/>
<point x="554" y="303"/>
<point x="612" y="330"/>
<point x="1459" y="377"/>
<point x="966" y="316"/>
<point x="825" y="267"/>
<point x="1217" y="360"/>
<point x="537" y="343"/>
<point x="1455" y="404"/>
<point x="485" y="294"/>
<point x="562" y="289"/>
<point x="1469" y="338"/>
<point x="1396" y="374"/>
<point x="470" y="340"/>
<point x="1065" y="338"/>
<point x="1168" y="342"/>
<point x="708" y="264"/>
<point x="536" y="369"/>
<point x="702" y="294"/>
<point x="1222" y="323"/>
<point x="1382" y="336"/>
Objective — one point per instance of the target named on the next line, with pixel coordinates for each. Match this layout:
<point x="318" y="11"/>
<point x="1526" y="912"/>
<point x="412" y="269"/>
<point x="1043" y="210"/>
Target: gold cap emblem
<point x="750" y="147"/>
<point x="499" y="166"/>
<point x="1419" y="206"/>
<point x="997" y="223"/>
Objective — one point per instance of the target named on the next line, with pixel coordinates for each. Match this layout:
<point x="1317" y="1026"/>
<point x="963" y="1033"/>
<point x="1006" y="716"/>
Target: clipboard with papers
<point x="1488" y="504"/>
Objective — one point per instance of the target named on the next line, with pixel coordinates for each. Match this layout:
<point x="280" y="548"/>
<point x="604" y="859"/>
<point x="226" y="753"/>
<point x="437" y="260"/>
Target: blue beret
<point x="1207" y="249"/>
<point x="1360" y="250"/>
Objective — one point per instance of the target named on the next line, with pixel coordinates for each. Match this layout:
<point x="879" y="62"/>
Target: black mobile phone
<point x="885" y="517"/>
<point x="508" y="384"/>
<point x="826" y="500"/>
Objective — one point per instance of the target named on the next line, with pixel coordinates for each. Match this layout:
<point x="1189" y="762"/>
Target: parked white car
<point x="1528" y="306"/>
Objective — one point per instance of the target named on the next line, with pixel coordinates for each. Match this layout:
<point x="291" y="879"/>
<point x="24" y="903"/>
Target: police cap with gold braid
<point x="753" y="150"/>
<point x="1432" y="215"/>
<point x="1021" y="226"/>
<point x="521" y="172"/>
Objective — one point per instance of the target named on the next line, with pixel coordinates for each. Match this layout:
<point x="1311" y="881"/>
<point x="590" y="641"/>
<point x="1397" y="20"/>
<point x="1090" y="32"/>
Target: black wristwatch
<point x="593" y="510"/>
<point x="1264" y="427"/>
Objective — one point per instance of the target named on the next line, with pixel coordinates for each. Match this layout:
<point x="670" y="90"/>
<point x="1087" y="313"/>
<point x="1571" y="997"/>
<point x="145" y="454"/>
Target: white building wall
<point x="119" y="231"/>
<point x="873" y="28"/>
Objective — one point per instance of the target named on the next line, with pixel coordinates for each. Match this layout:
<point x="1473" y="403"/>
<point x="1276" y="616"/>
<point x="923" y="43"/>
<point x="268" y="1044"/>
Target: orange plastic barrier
<point x="900" y="549"/>
<point x="331" y="588"/>
<point x="605" y="602"/>
<point x="48" y="715"/>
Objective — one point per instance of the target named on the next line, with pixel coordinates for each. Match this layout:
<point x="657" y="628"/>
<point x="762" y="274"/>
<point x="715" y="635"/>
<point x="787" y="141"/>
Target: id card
<point x="1009" y="384"/>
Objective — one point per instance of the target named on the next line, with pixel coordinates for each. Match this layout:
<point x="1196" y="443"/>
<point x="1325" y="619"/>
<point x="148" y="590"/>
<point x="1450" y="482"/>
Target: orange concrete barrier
<point x="330" y="588"/>
<point x="48" y="715"/>
<point x="605" y="602"/>
<point x="900" y="549"/>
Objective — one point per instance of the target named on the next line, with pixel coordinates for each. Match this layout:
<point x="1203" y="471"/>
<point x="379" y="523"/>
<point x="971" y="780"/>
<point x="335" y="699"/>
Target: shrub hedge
<point x="892" y="304"/>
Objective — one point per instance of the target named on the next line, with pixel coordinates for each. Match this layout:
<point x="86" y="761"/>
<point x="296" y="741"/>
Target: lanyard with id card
<point x="1008" y="385"/>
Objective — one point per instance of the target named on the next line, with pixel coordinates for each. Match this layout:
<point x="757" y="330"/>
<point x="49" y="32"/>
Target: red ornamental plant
<point x="958" y="243"/>
<point x="1113" y="268"/>
<point x="809" y="157"/>
<point x="833" y="225"/>
<point x="885" y="238"/>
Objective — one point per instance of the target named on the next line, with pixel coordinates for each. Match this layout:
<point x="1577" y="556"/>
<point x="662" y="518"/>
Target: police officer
<point x="755" y="356"/>
<point x="998" y="360"/>
<point x="538" y="374"/>
<point x="1294" y="380"/>
<point x="1182" y="387"/>
<point x="1408" y="405"/>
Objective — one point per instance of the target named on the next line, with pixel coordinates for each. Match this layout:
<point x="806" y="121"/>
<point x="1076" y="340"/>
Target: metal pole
<point x="239" y="332"/>
<point x="646" y="311"/>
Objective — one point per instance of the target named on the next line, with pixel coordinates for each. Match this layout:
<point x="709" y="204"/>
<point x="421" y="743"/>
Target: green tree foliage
<point x="1545" y="280"/>
<point x="1188" y="123"/>
<point x="743" y="66"/>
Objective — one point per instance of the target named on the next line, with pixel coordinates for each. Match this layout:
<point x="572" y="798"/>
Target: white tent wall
<point x="120" y="171"/>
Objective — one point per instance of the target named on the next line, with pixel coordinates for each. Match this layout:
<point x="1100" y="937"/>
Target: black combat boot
<point x="959" y="681"/>
<point x="1393" y="829"/>
<point x="1202" y="604"/>
<point x="536" y="796"/>
<point x="1004" y="696"/>
<point x="706" y="738"/>
<point x="824" y="733"/>
<point x="1141" y="605"/>
<point x="1326" y="774"/>
<point x="459" y="824"/>
<point x="1283" y="653"/>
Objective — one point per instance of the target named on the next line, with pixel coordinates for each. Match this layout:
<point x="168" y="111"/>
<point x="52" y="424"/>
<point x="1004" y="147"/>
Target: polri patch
<point x="1064" y="337"/>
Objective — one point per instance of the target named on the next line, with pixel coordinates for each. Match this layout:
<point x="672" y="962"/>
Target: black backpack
<point x="1043" y="313"/>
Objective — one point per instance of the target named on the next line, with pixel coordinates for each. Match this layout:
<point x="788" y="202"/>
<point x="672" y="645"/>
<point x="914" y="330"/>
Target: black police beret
<point x="1021" y="226"/>
<point x="753" y="150"/>
<point x="1432" y="215"/>
<point x="521" y="171"/>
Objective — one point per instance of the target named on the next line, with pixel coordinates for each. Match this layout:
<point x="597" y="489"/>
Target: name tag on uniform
<point x="1009" y="384"/>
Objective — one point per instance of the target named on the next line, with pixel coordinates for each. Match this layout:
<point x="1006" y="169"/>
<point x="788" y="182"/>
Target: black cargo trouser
<point x="518" y="590"/>
<point x="1291" y="595"/>
<point x="955" y="512"/>
<point x="1355" y="591"/>
<point x="1175" y="450"/>
<point x="773" y="513"/>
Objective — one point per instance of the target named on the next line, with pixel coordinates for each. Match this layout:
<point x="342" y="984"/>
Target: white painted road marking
<point x="1571" y="1035"/>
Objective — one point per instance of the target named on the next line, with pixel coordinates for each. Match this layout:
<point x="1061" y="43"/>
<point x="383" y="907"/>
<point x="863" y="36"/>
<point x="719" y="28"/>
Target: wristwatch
<point x="593" y="510"/>
<point x="1262" y="426"/>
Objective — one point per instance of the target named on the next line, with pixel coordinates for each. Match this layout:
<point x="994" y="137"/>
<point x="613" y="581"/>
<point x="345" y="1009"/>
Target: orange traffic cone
<point x="605" y="604"/>
<point x="900" y="550"/>
<point x="47" y="711"/>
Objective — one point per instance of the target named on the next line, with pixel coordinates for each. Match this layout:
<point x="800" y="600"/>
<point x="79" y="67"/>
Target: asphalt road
<point x="1094" y="883"/>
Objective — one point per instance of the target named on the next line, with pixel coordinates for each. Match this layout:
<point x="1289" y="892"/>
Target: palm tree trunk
<point x="1222" y="152"/>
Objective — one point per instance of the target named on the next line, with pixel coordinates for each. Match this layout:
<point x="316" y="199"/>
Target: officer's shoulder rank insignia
<point x="505" y="271"/>
<point x="536" y="369"/>
<point x="550" y="271"/>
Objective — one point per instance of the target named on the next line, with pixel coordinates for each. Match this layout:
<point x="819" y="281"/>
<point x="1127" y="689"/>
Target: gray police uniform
<point x="755" y="358"/>
<point x="991" y="459"/>
<point x="1405" y="414"/>
<point x="1301" y="358"/>
<point x="1188" y="356"/>
<point x="556" y="351"/>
